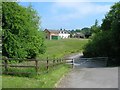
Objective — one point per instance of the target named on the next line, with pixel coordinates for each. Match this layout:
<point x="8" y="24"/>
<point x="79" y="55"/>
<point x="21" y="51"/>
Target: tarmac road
<point x="101" y="77"/>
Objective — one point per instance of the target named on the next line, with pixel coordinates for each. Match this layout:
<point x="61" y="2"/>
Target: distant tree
<point x="95" y="28"/>
<point x="77" y="30"/>
<point x="72" y="31"/>
<point x="21" y="35"/>
<point x="86" y="31"/>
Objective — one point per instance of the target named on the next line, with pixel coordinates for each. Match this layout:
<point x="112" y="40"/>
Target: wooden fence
<point x="47" y="63"/>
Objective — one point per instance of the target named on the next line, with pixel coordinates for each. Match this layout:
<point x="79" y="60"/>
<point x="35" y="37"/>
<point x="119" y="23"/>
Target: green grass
<point x="40" y="81"/>
<point x="0" y="82"/>
<point x="63" y="47"/>
<point x="55" y="49"/>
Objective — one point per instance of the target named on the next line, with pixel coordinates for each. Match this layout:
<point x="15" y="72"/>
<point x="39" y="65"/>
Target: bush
<point x="98" y="46"/>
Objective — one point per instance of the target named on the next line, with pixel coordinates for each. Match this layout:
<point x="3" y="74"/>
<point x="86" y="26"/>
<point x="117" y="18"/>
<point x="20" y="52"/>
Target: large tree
<point x="0" y="20"/>
<point x="113" y="27"/>
<point x="21" y="35"/>
<point x="107" y="42"/>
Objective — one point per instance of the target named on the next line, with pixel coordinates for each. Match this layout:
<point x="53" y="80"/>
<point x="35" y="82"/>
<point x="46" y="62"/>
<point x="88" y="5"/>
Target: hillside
<point x="63" y="47"/>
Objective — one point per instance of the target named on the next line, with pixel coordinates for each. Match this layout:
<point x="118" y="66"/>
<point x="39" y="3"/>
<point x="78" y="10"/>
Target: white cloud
<point x="64" y="0"/>
<point x="64" y="11"/>
<point x="85" y="0"/>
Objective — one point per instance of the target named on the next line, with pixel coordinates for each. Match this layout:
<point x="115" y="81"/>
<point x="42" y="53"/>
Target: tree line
<point x="106" y="39"/>
<point x="87" y="31"/>
<point x="21" y="36"/>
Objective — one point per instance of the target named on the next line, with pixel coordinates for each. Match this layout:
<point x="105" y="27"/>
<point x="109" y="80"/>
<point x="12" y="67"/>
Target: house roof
<point x="56" y="31"/>
<point x="52" y="31"/>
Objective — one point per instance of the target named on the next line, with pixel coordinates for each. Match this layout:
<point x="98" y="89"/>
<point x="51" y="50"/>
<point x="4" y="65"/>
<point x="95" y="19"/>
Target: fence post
<point x="60" y="60"/>
<point x="6" y="65"/>
<point x="57" y="61"/>
<point x="72" y="62"/>
<point x="36" y="65"/>
<point x="63" y="61"/>
<point x="53" y="62"/>
<point x="47" y="64"/>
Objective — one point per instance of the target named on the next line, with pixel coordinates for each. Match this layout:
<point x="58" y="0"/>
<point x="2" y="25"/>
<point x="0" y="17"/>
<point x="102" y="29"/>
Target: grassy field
<point x="55" y="49"/>
<point x="40" y="81"/>
<point x="63" y="47"/>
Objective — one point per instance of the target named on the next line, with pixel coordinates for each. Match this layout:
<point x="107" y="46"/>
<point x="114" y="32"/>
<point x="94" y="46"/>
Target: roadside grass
<point x="63" y="47"/>
<point x="0" y="82"/>
<point x="43" y="67"/>
<point x="55" y="49"/>
<point x="47" y="80"/>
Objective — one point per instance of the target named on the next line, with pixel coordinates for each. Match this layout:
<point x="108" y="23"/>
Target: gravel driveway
<point x="90" y="78"/>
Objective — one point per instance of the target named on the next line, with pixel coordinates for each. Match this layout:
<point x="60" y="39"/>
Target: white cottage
<point x="64" y="34"/>
<point x="56" y="34"/>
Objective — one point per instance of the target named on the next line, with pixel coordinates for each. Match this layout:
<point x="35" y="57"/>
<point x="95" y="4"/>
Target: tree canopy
<point x="86" y="31"/>
<point x="22" y="37"/>
<point x="107" y="42"/>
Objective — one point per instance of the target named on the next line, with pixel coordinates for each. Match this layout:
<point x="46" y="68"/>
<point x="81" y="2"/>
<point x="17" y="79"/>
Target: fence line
<point x="49" y="63"/>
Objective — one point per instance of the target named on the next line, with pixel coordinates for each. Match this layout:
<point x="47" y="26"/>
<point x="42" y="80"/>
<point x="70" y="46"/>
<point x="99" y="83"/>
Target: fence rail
<point x="37" y="63"/>
<point x="47" y="64"/>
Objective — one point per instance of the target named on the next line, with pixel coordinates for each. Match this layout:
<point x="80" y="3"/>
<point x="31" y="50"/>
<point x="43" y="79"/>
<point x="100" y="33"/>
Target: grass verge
<point x="40" y="81"/>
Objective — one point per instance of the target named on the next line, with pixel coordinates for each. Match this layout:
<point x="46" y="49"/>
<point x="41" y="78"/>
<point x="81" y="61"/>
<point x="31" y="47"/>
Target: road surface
<point x="90" y="78"/>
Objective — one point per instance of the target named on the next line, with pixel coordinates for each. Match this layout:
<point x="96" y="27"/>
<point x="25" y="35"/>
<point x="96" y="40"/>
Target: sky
<point x="69" y="15"/>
